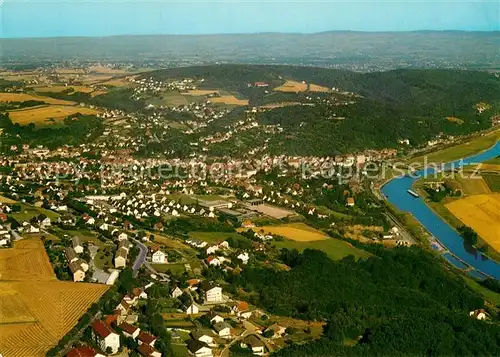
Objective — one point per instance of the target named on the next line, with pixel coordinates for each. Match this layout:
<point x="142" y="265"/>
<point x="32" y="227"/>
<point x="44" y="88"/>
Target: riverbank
<point x="395" y="192"/>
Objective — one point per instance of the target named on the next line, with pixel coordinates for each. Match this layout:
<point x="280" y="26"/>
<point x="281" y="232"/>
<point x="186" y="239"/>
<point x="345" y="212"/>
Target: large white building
<point x="213" y="294"/>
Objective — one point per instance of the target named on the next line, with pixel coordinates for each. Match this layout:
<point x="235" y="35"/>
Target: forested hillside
<point x="399" y="303"/>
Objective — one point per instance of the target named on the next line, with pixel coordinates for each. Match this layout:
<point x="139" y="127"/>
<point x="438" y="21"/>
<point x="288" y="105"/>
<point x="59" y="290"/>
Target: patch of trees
<point x="399" y="303"/>
<point x="469" y="235"/>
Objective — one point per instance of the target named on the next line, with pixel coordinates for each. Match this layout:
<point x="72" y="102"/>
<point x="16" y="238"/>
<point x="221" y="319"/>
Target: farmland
<point x="482" y="213"/>
<point x="47" y="114"/>
<point x="296" y="231"/>
<point x="292" y="87"/>
<point x="317" y="88"/>
<point x="61" y="88"/>
<point x="37" y="310"/>
<point x="21" y="97"/>
<point x="201" y="92"/>
<point x="473" y="186"/>
<point x="493" y="182"/>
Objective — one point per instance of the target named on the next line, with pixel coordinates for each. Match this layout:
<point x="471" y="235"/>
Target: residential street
<point x="141" y="258"/>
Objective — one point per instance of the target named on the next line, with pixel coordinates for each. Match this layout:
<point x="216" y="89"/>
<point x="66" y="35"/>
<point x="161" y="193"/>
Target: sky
<point x="51" y="18"/>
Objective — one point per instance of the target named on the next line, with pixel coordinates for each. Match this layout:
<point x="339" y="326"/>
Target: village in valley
<point x="152" y="212"/>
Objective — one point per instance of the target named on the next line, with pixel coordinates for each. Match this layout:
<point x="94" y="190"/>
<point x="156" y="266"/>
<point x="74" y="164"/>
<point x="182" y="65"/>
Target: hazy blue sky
<point x="43" y="18"/>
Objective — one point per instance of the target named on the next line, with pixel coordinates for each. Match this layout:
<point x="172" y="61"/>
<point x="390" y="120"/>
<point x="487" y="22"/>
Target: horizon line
<point x="253" y="34"/>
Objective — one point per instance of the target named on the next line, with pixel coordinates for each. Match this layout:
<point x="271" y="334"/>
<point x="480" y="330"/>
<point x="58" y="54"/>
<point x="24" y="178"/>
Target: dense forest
<point x="400" y="303"/>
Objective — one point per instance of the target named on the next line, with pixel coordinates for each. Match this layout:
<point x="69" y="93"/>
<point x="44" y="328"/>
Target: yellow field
<point x="106" y="70"/>
<point x="317" y="88"/>
<point x="455" y="120"/>
<point x="98" y="92"/>
<point x="295" y="231"/>
<point x="6" y="200"/>
<point x="292" y="87"/>
<point x="21" y="97"/>
<point x="230" y="100"/>
<point x="199" y="92"/>
<point x="489" y="167"/>
<point x="60" y="88"/>
<point x="26" y="261"/>
<point x="482" y="213"/>
<point x="42" y="115"/>
<point x="473" y="186"/>
<point x="36" y="310"/>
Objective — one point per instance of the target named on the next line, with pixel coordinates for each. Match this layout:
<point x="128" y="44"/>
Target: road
<point x="78" y="335"/>
<point x="141" y="257"/>
<point x="405" y="235"/>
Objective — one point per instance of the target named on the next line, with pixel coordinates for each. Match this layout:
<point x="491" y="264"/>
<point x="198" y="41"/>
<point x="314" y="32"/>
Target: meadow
<point x="482" y="213"/>
<point x="214" y="237"/>
<point x="335" y="249"/>
<point x="493" y="182"/>
<point x="21" y="97"/>
<point x="229" y="100"/>
<point x="473" y="186"/>
<point x="37" y="310"/>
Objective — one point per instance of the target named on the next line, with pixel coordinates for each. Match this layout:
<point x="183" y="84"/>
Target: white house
<point x="192" y="309"/>
<point x="121" y="258"/>
<point x="203" y="337"/>
<point x="253" y="343"/>
<point x="479" y="314"/>
<point x="77" y="271"/>
<point x="159" y="257"/>
<point x="77" y="246"/>
<point x="46" y="222"/>
<point x="176" y="292"/>
<point x="129" y="330"/>
<point x="199" y="348"/>
<point x="223" y="329"/>
<point x="122" y="236"/>
<point x="105" y="336"/>
<point x="244" y="257"/>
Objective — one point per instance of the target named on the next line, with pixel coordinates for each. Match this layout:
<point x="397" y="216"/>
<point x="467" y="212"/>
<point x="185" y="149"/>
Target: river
<point x="396" y="193"/>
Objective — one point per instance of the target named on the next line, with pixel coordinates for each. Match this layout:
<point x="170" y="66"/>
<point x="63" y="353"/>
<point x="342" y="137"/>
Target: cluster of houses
<point x="77" y="266"/>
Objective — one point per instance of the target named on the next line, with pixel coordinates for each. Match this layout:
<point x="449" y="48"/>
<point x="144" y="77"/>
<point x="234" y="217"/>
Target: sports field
<point x="37" y="310"/>
<point x="482" y="213"/>
<point x="21" y="97"/>
<point x="47" y="114"/>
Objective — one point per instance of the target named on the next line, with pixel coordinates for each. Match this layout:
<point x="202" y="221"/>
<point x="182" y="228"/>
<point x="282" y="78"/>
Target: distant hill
<point x="400" y="104"/>
<point x="359" y="51"/>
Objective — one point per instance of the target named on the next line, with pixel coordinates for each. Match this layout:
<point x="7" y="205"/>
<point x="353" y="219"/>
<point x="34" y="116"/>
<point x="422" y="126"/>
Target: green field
<point x="493" y="182"/>
<point x="334" y="248"/>
<point x="494" y="161"/>
<point x="175" y="269"/>
<point x="212" y="237"/>
<point x="460" y="151"/>
<point x="488" y="295"/>
<point x="28" y="212"/>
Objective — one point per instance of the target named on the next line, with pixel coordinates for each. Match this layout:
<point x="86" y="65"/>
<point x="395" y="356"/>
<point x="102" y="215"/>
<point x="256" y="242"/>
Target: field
<point x="229" y="100"/>
<point x="28" y="212"/>
<point x="61" y="88"/>
<point x="36" y="309"/>
<point x="455" y="120"/>
<point x="334" y="248"/>
<point x="6" y="200"/>
<point x="272" y="211"/>
<point x="47" y="114"/>
<point x="118" y="82"/>
<point x="482" y="213"/>
<point x="473" y="186"/>
<point x="201" y="92"/>
<point x="493" y="182"/>
<point x="317" y="88"/>
<point x="292" y="87"/>
<point x="214" y="237"/>
<point x="21" y="97"/>
<point x="299" y="232"/>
